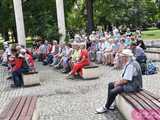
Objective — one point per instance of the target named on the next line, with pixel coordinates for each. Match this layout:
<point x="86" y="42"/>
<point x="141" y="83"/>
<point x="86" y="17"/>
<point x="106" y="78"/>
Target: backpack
<point x="151" y="68"/>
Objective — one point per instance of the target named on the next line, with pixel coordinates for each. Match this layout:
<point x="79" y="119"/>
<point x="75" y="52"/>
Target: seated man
<point x="131" y="81"/>
<point x="140" y="56"/>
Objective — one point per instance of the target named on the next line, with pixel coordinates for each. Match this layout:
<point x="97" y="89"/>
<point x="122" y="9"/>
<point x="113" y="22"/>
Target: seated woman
<point x="83" y="61"/>
<point x="66" y="58"/>
<point x="100" y="50"/>
<point x="57" y="57"/>
<point x="119" y="59"/>
<point x="30" y="61"/>
<point x="92" y="51"/>
<point x="107" y="52"/>
<point x="75" y="54"/>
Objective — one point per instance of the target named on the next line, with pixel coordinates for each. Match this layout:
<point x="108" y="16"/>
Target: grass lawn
<point x="151" y="34"/>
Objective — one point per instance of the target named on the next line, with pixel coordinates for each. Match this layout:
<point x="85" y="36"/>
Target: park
<point x="80" y="60"/>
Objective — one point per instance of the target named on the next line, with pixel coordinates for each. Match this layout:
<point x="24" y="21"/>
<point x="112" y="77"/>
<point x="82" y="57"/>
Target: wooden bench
<point x="90" y="72"/>
<point x="20" y="108"/>
<point x="141" y="105"/>
<point x="31" y="78"/>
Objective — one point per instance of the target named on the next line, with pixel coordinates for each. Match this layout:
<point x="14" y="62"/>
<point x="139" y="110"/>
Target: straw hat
<point x="127" y="52"/>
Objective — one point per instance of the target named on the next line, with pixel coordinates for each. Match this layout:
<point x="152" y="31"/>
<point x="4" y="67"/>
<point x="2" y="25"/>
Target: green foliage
<point x="75" y="17"/>
<point x="7" y="21"/>
<point x="134" y="13"/>
<point x="119" y="12"/>
<point x="40" y="18"/>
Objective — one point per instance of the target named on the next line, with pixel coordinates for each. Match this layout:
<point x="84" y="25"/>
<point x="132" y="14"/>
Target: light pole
<point x="19" y="22"/>
<point x="61" y="19"/>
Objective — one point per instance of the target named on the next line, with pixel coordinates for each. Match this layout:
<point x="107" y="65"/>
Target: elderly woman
<point x="75" y="54"/>
<point x="100" y="50"/>
<point x="110" y="52"/>
<point x="66" y="58"/>
<point x="118" y="60"/>
<point x="83" y="61"/>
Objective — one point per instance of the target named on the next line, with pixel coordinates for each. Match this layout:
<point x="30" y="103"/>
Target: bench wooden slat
<point x="141" y="105"/>
<point x="145" y="106"/>
<point x="32" y="106"/>
<point x="6" y="110"/>
<point x="28" y="73"/>
<point x="155" y="101"/>
<point x="28" y="117"/>
<point x="132" y="101"/>
<point x="134" y="104"/>
<point x="88" y="67"/>
<point x="19" y="108"/>
<point x="153" y="106"/>
<point x="13" y="108"/>
<point x="152" y="95"/>
<point x="141" y="102"/>
<point x="25" y="108"/>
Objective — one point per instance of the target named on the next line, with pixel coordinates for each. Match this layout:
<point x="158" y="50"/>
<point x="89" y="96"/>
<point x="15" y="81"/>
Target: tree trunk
<point x="15" y="35"/>
<point x="90" y="23"/>
<point x="5" y="35"/>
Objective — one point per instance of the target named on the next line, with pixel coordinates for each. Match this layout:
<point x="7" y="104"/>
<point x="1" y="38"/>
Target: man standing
<point x="131" y="81"/>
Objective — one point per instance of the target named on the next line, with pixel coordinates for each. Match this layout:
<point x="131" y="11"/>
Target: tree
<point x="40" y="19"/>
<point x="90" y="23"/>
<point x="7" y="21"/>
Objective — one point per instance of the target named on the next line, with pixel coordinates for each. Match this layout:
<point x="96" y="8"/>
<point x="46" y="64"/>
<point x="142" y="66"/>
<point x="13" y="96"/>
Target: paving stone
<point x="61" y="99"/>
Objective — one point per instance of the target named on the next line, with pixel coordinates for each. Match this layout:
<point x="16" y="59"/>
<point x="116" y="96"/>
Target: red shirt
<point x="18" y="64"/>
<point x="84" y="53"/>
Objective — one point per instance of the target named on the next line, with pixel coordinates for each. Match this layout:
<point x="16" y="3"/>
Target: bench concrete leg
<point x="124" y="107"/>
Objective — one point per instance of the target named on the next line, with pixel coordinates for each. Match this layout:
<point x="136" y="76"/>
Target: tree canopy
<point x="40" y="15"/>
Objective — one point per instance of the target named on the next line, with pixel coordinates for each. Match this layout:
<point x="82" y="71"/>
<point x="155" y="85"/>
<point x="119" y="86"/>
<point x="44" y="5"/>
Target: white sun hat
<point x="22" y="51"/>
<point x="127" y="52"/>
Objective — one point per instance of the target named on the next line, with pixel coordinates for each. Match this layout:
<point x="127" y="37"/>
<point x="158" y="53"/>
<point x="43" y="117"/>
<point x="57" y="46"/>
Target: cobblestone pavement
<point x="61" y="99"/>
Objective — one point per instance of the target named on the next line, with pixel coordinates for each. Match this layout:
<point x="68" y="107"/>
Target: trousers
<point x="112" y="93"/>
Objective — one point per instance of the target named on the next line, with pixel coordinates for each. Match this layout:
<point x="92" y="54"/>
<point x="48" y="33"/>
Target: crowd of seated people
<point x="67" y="57"/>
<point x="106" y="47"/>
<point x="99" y="47"/>
<point x="19" y="60"/>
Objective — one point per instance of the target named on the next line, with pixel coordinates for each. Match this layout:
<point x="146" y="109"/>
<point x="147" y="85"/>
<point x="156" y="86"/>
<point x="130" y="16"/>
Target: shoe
<point x="70" y="77"/>
<point x="113" y="106"/>
<point x="63" y="71"/>
<point x="101" y="110"/>
<point x="9" y="78"/>
<point x="13" y="86"/>
<point x="52" y="64"/>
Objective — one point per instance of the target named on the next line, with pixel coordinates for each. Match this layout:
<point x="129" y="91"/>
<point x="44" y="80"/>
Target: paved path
<point x="61" y="99"/>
